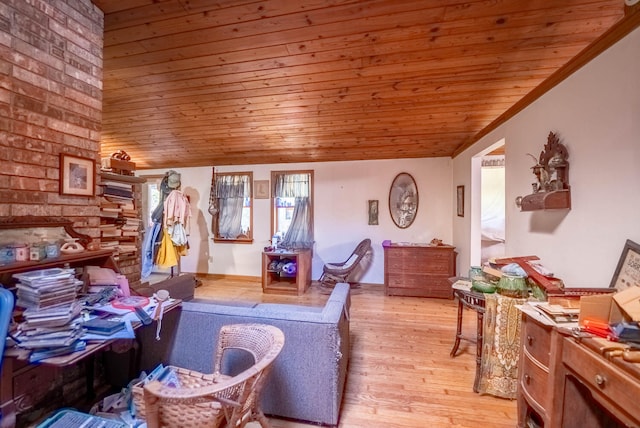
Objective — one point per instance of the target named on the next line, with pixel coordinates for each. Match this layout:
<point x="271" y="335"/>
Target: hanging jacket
<point x="150" y="237"/>
<point x="167" y="255"/>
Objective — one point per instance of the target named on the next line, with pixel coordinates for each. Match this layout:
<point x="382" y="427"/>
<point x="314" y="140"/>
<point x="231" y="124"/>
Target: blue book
<point x="626" y="331"/>
<point x="103" y="326"/>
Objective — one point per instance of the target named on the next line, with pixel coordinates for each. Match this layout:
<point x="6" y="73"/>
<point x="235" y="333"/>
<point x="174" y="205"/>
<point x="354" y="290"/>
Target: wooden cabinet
<point x="280" y="278"/>
<point x="538" y="375"/>
<point x="418" y="270"/>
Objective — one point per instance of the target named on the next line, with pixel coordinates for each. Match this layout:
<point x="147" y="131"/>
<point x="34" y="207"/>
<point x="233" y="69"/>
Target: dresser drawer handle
<point x="600" y="380"/>
<point x="527" y="379"/>
<point x="530" y="340"/>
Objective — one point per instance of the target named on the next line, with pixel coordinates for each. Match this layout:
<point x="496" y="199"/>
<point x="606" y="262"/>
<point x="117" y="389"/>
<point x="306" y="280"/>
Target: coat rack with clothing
<point x="166" y="239"/>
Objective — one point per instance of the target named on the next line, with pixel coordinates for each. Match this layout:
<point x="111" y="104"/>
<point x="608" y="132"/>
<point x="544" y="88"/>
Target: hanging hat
<point x="173" y="179"/>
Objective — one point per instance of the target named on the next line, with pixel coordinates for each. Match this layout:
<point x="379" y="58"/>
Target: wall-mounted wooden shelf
<point x="554" y="200"/>
<point x="551" y="190"/>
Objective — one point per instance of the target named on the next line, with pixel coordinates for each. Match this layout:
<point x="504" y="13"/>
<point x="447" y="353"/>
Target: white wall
<point x="342" y="190"/>
<point x="596" y="113"/>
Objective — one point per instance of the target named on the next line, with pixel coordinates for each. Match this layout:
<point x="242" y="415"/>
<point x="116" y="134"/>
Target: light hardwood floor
<point x="400" y="372"/>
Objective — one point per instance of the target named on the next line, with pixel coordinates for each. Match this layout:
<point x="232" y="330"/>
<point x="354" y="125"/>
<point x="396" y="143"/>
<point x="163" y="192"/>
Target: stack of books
<point x="46" y="288"/>
<point x="109" y="209"/>
<point x="117" y="190"/>
<point x="51" y="332"/>
<point x="50" y="323"/>
<point x="120" y="223"/>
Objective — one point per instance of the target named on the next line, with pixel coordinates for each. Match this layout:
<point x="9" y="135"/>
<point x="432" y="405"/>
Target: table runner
<point x="501" y="346"/>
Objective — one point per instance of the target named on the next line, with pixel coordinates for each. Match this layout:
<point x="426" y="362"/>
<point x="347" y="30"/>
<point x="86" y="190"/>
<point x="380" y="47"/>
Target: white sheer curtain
<point x="231" y="190"/>
<point x="298" y="186"/>
<point x="292" y="185"/>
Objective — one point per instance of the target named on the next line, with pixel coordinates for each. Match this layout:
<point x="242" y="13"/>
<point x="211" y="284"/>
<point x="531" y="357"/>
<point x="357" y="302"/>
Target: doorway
<point x="488" y="237"/>
<point x="492" y="207"/>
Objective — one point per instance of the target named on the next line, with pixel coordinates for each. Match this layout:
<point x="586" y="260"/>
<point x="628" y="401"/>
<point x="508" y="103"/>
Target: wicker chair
<point x="340" y="271"/>
<point x="214" y="400"/>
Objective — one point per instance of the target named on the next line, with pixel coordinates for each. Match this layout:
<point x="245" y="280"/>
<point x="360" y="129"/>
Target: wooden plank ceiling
<point x="228" y="82"/>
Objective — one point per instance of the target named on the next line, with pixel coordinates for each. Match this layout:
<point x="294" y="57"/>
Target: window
<point x="151" y="198"/>
<point x="232" y="212"/>
<point x="292" y="215"/>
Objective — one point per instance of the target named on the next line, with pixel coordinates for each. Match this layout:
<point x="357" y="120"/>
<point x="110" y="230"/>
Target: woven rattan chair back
<point x="213" y="400"/>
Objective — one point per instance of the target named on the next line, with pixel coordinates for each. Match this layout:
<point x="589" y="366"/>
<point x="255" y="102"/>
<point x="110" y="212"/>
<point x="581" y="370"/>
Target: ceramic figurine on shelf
<point x="71" y="246"/>
<point x="542" y="176"/>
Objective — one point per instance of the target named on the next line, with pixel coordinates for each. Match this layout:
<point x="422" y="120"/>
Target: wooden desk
<point x="599" y="390"/>
<point x="574" y="382"/>
<point x="475" y="301"/>
<point x="19" y="377"/>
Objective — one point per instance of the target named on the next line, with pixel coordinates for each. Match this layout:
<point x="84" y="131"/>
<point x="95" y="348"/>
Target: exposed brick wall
<point x="50" y="103"/>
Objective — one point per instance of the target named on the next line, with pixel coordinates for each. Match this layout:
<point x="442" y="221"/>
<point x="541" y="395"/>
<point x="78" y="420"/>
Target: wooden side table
<point x="475" y="301"/>
<point x="278" y="281"/>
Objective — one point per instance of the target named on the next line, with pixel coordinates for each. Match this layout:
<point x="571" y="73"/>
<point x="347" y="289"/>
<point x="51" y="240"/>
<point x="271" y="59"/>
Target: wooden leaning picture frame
<point x="627" y="272"/>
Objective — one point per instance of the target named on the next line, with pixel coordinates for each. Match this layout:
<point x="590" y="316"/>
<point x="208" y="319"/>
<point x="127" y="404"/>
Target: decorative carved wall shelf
<point x="551" y="189"/>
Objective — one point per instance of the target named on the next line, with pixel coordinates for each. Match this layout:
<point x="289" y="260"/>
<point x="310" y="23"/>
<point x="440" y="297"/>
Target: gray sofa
<point x="308" y="377"/>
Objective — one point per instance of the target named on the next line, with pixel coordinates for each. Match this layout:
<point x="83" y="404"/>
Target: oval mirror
<point x="403" y="200"/>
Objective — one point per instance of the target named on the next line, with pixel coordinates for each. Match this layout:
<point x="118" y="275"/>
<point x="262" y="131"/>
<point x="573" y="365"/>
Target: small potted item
<point x="52" y="249"/>
<point x="513" y="286"/>
<point x="37" y="252"/>
<point x="7" y="254"/>
<point x="21" y="253"/>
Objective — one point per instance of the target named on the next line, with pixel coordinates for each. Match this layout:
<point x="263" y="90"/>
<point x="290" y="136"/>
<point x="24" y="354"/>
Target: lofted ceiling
<point x="228" y="82"/>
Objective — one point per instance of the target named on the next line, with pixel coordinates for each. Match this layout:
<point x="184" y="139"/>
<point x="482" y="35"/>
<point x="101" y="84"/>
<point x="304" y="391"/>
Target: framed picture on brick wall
<point x="77" y="175"/>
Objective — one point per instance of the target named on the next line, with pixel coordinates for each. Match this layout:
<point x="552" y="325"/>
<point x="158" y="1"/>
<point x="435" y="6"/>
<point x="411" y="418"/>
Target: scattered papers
<point x="557" y="313"/>
<point x="542" y="313"/>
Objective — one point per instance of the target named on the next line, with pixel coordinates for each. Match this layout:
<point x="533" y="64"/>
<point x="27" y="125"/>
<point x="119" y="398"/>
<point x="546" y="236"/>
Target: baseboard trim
<point x="220" y="276"/>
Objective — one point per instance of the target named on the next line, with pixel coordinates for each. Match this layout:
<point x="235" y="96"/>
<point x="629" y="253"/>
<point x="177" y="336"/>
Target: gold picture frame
<point x="403" y="200"/>
<point x="77" y="175"/>
<point x="261" y="188"/>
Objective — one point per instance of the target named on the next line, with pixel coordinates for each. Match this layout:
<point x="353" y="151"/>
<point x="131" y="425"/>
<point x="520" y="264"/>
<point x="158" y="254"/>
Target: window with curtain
<point x="233" y="217"/>
<point x="292" y="213"/>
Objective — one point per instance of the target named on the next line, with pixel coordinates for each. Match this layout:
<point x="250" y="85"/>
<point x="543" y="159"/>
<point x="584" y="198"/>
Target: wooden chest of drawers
<point x="538" y="377"/>
<point x="418" y="270"/>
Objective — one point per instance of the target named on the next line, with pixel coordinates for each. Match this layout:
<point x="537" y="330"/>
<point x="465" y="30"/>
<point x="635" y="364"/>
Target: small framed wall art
<point x="460" y="200"/>
<point x="77" y="175"/>
<point x="373" y="212"/>
<point x="261" y="189"/>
